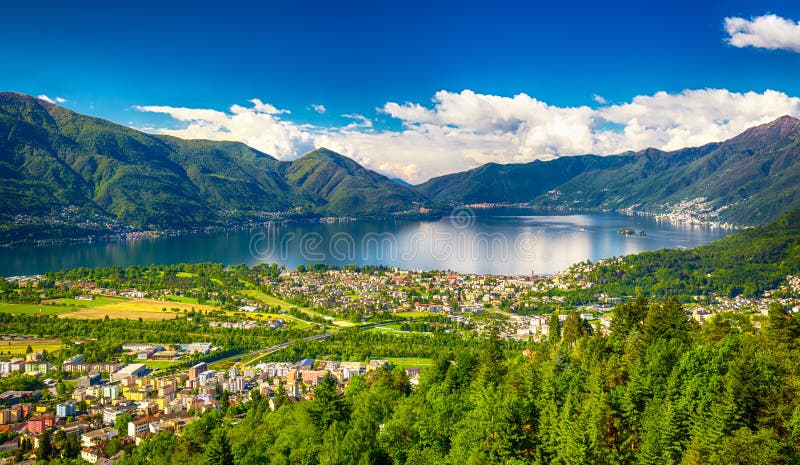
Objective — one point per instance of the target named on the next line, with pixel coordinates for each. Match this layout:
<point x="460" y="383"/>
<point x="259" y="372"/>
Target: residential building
<point x="92" y="438"/>
<point x="40" y="423"/>
<point x="66" y="409"/>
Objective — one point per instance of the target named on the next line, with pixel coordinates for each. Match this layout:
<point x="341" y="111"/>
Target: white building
<point x="91" y="438"/>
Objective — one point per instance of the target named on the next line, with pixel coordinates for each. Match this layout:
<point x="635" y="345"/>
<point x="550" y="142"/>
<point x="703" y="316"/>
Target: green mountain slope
<point x="342" y="187"/>
<point x="746" y="263"/>
<point x="750" y="179"/>
<point x="519" y="182"/>
<point x="52" y="158"/>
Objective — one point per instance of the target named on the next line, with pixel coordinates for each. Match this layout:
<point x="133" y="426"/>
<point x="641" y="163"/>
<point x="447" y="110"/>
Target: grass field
<point x="414" y="314"/>
<point x="410" y="362"/>
<point x="284" y="305"/>
<point x="34" y="309"/>
<point x="397" y="331"/>
<point x="18" y="348"/>
<point x="146" y="309"/>
<point x="156" y="364"/>
<point x="270" y="300"/>
<point x="58" y="306"/>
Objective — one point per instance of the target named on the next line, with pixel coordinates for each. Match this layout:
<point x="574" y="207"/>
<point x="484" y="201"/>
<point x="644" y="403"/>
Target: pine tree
<point x="218" y="450"/>
<point x="45" y="447"/>
<point x="554" y="327"/>
<point x="328" y="405"/>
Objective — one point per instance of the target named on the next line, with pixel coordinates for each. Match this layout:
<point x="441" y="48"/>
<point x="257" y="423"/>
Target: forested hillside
<point x="657" y="390"/>
<point x="747" y="180"/>
<point x="53" y="159"/>
<point x="746" y="263"/>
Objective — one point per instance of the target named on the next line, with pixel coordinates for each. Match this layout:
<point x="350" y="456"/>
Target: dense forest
<point x="746" y="263"/>
<point x="658" y="389"/>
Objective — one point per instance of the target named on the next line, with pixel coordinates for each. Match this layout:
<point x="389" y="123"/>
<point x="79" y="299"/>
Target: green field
<point x="298" y="323"/>
<point x="18" y="348"/>
<point x="284" y="305"/>
<point x="58" y="306"/>
<point x="146" y="309"/>
<point x="410" y="362"/>
<point x="414" y="314"/>
<point x="270" y="300"/>
<point x="394" y="329"/>
<point x="34" y="309"/>
<point x="156" y="364"/>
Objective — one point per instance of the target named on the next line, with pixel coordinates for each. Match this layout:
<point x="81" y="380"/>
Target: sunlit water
<point x="508" y="241"/>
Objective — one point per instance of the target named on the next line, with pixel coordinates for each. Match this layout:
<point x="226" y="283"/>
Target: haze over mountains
<point x="52" y="158"/>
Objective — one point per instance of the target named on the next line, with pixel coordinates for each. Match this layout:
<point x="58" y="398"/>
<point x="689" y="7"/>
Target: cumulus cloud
<point x="361" y="121"/>
<point x="462" y="130"/>
<point x="599" y="99"/>
<point x="52" y="100"/>
<point x="769" y="31"/>
<point x="319" y="108"/>
<point x="258" y="126"/>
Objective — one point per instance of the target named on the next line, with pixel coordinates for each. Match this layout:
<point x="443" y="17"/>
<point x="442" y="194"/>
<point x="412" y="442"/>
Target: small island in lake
<point x="630" y="232"/>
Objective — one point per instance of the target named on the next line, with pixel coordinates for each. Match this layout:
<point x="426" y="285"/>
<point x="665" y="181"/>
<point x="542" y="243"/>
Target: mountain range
<point x="54" y="160"/>
<point x="747" y="180"/>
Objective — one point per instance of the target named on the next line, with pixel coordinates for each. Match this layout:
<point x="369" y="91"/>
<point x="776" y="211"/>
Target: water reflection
<point x="503" y="242"/>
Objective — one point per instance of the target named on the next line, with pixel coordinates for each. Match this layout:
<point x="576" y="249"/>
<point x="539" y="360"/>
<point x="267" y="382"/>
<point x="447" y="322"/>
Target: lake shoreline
<point x="505" y="242"/>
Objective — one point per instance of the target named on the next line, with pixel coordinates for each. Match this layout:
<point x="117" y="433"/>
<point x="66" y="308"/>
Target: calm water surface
<point x="508" y="241"/>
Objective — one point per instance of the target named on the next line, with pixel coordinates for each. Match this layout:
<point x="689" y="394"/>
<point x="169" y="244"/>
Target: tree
<point x="121" y="422"/>
<point x="666" y="321"/>
<point x="218" y="450"/>
<point x="224" y="400"/>
<point x="45" y="447"/>
<point x="554" y="326"/>
<point x="628" y="316"/>
<point x="61" y="388"/>
<point x="114" y="446"/>
<point x="492" y="358"/>
<point x="574" y="328"/>
<point x="329" y="405"/>
<point x="72" y="447"/>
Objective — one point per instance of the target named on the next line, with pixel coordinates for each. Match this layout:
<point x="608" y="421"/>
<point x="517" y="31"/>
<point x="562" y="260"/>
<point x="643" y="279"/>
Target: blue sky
<point x="120" y="61"/>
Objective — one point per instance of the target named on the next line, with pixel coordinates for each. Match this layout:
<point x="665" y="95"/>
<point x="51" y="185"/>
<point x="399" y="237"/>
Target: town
<point x="96" y="409"/>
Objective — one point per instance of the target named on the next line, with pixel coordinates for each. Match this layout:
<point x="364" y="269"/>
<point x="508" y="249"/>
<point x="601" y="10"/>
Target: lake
<point x="498" y="241"/>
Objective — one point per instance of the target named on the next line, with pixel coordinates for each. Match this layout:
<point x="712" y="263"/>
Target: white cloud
<point x="599" y="99"/>
<point x="361" y="121"/>
<point x="319" y="108"/>
<point x="769" y="31"/>
<point x="462" y="130"/>
<point x="52" y="100"/>
<point x="258" y="126"/>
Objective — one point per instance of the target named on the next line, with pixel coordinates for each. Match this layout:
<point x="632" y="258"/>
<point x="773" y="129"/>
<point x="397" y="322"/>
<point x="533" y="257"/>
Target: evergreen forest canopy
<point x="657" y="390"/>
